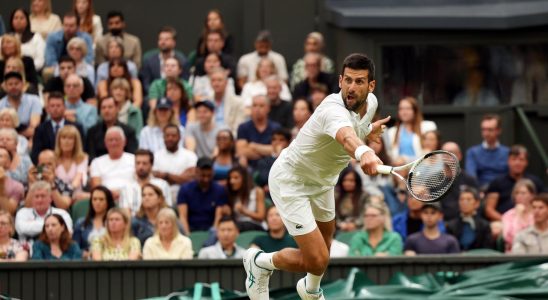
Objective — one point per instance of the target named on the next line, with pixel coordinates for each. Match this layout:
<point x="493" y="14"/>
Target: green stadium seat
<point x="345" y="236"/>
<point x="198" y="238"/>
<point x="79" y="210"/>
<point x="191" y="58"/>
<point x="246" y="237"/>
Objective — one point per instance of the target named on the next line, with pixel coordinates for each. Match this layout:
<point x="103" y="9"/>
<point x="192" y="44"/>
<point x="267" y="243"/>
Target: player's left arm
<point x="377" y="129"/>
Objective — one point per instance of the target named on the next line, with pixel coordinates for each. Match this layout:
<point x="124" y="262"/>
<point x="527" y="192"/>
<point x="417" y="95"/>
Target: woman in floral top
<point x="10" y="249"/>
<point x="116" y="243"/>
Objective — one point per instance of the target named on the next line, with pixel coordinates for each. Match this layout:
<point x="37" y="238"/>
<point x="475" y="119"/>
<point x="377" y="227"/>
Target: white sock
<point x="313" y="283"/>
<point x="264" y="260"/>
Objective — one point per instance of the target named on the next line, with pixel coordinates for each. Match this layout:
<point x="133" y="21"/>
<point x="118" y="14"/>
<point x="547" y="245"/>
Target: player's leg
<point x="323" y="208"/>
<point x="291" y="198"/>
<point x="311" y="257"/>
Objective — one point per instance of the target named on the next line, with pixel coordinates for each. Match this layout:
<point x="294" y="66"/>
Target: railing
<point x="142" y="279"/>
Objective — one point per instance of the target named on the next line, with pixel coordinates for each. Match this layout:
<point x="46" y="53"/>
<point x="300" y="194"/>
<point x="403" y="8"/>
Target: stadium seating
<point x="79" y="209"/>
<point x="246" y="237"/>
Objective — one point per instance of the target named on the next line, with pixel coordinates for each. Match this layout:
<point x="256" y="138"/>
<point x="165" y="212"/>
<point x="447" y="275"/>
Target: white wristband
<point x="360" y="151"/>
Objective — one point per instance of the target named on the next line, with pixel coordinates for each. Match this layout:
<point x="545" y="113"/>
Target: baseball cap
<point x="164" y="103"/>
<point x="206" y="103"/>
<point x="204" y="163"/>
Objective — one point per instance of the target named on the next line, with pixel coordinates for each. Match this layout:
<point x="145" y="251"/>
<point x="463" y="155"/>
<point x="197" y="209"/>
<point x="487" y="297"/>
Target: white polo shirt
<point x="315" y="154"/>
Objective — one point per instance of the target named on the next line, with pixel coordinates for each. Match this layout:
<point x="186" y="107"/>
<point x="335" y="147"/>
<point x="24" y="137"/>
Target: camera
<point x="39" y="170"/>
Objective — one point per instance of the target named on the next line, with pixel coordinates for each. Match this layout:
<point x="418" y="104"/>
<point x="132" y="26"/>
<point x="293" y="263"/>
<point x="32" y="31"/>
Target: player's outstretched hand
<point x="369" y="162"/>
<point x="378" y="129"/>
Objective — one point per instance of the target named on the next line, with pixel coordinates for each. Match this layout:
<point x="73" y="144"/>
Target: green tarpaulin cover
<point x="520" y="280"/>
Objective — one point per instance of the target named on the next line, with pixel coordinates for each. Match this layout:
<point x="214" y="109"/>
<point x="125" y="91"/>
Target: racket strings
<point x="431" y="177"/>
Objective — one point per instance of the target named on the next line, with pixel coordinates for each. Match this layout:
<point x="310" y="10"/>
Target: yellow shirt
<point x="115" y="253"/>
<point x="181" y="248"/>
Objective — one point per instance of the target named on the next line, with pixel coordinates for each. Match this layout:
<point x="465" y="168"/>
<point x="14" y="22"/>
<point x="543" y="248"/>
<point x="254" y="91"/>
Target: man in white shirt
<point x="174" y="164"/>
<point x="226" y="247"/>
<point x="247" y="65"/>
<point x="29" y="221"/>
<point x="131" y="195"/>
<point x="303" y="177"/>
<point x="116" y="168"/>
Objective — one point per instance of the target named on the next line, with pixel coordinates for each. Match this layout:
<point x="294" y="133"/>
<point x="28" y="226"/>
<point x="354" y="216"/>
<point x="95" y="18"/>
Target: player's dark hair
<point x="359" y="61"/>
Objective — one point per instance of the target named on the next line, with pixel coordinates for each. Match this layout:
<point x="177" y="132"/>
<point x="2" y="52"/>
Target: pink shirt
<point x="14" y="189"/>
<point x="512" y="224"/>
<point x="75" y="169"/>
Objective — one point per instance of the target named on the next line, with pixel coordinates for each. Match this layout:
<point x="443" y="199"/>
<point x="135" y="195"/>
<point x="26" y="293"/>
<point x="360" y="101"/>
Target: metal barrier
<point x="142" y="279"/>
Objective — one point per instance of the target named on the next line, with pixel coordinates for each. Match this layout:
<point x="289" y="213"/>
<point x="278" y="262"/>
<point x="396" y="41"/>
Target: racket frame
<point x="386" y="170"/>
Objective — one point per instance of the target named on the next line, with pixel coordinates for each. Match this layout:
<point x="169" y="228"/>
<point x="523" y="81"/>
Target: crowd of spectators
<point x="109" y="154"/>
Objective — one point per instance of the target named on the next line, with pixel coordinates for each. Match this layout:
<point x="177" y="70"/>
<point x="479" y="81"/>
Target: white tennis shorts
<point x="299" y="204"/>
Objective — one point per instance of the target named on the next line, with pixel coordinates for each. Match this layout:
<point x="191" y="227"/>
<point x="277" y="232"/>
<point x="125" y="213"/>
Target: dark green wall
<point x="289" y="23"/>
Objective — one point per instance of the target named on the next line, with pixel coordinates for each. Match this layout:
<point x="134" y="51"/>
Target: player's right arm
<point x="346" y="136"/>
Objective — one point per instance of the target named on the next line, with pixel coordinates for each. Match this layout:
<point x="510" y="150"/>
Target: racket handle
<point x="383" y="169"/>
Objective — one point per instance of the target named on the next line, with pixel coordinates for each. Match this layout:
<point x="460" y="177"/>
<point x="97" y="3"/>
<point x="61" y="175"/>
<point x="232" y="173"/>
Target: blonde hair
<point x="47" y="8"/>
<point x="272" y="66"/>
<point x="80" y="43"/>
<point x="152" y="121"/>
<point x="10" y="221"/>
<point x="169" y="214"/>
<point x="20" y="65"/>
<point x="379" y="204"/>
<point x="316" y="36"/>
<point x="11" y="133"/>
<point x="78" y="154"/>
<point x="12" y="113"/>
<point x="106" y="242"/>
<point x="527" y="183"/>
<point x="121" y="83"/>
<point x="14" y="39"/>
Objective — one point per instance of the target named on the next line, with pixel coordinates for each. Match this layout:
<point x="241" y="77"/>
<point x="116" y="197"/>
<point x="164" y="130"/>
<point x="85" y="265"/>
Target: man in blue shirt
<point x="200" y="201"/>
<point x="255" y="135"/>
<point x="56" y="43"/>
<point x="488" y="160"/>
<point x="76" y="109"/>
<point x="28" y="107"/>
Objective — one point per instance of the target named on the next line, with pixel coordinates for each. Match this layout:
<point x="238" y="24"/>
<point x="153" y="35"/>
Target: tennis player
<point x="303" y="177"/>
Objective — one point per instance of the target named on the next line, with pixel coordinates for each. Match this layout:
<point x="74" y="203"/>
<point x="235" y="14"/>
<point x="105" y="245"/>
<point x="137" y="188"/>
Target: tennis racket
<point x="429" y="177"/>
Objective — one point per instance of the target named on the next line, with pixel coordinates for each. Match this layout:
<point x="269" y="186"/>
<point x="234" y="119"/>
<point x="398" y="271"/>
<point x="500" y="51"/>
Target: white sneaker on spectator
<point x="256" y="282"/>
<point x="304" y="294"/>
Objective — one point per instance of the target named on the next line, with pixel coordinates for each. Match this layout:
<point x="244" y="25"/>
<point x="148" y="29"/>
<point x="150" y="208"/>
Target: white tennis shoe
<point x="256" y="282"/>
<point x="304" y="294"/>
